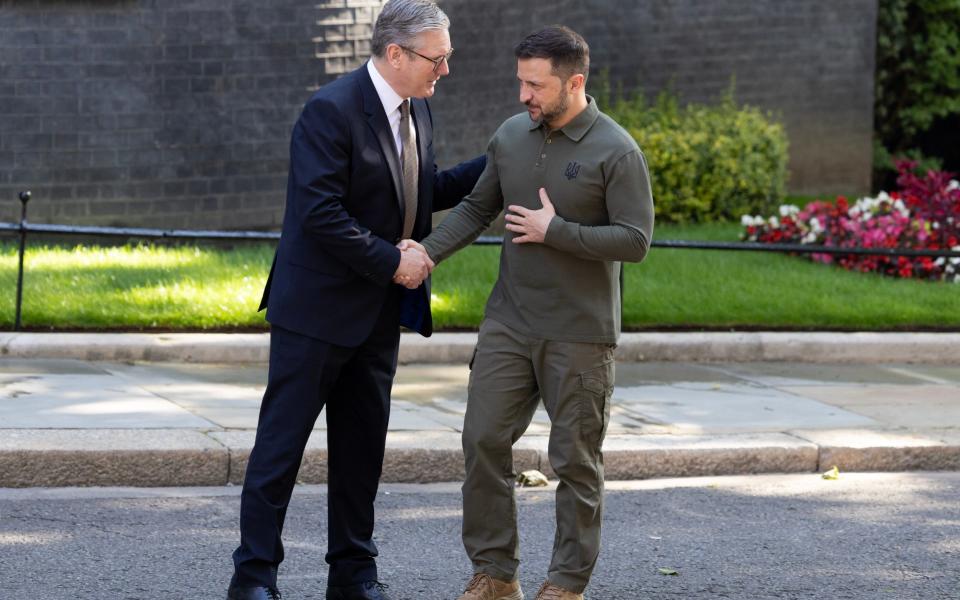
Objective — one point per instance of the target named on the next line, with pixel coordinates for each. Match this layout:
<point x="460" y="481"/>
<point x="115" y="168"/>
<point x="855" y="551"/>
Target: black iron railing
<point x="24" y="227"/>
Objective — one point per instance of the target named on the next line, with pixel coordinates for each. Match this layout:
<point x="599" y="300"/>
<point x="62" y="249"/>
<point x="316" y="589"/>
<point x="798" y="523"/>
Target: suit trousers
<point x="306" y="375"/>
<point x="510" y="373"/>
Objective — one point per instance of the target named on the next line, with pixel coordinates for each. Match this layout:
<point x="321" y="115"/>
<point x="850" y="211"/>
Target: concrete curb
<point x="866" y="450"/>
<point x="152" y="458"/>
<point x="808" y="347"/>
<point x="105" y="457"/>
<point x="119" y="347"/>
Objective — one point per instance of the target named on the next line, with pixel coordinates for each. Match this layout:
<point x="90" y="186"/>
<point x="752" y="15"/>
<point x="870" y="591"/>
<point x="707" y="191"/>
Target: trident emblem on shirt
<point x="573" y="169"/>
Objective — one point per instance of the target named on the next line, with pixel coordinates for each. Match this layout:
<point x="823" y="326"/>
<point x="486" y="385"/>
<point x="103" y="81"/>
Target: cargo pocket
<point x="596" y="389"/>
<point x="470" y="373"/>
<point x="473" y="357"/>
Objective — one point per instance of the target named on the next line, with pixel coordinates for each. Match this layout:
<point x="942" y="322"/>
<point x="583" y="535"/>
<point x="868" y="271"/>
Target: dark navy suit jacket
<point x="344" y="214"/>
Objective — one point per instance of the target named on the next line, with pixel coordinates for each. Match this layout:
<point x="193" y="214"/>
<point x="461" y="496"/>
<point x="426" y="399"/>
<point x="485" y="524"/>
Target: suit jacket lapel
<point x="377" y="120"/>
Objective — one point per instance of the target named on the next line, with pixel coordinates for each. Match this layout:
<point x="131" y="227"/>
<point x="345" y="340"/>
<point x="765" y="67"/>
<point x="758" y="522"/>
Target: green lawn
<point x="144" y="287"/>
<point x="727" y="290"/>
<point x="136" y="287"/>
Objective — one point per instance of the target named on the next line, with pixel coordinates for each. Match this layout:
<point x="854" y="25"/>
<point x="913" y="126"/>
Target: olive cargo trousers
<point x="510" y="373"/>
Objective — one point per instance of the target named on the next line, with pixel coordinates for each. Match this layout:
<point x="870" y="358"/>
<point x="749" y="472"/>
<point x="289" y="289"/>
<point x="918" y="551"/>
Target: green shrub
<point x="917" y="104"/>
<point x="918" y="67"/>
<point x="706" y="162"/>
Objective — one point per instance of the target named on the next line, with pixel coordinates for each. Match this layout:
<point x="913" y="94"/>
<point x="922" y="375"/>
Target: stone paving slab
<point x="68" y="422"/>
<point x="91" y="401"/>
<point x="663" y="373"/>
<point x="924" y="405"/>
<point x="20" y="367"/>
<point x="793" y="374"/>
<point x="943" y="374"/>
<point x="177" y="373"/>
<point x="726" y="408"/>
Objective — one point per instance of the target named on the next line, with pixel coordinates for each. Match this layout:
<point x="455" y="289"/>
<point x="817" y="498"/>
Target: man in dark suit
<point x="362" y="178"/>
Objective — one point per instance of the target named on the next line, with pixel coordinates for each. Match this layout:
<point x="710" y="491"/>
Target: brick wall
<point x="346" y="27"/>
<point x="810" y="62"/>
<point x="168" y="113"/>
<point x="177" y="113"/>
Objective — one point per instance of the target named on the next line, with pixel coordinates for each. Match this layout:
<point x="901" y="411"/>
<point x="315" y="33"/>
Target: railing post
<point x="24" y="198"/>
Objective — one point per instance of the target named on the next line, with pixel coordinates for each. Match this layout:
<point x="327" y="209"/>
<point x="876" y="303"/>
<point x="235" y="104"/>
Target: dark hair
<point x="568" y="52"/>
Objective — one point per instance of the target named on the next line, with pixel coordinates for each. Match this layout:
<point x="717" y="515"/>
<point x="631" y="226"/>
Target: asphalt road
<point x="864" y="536"/>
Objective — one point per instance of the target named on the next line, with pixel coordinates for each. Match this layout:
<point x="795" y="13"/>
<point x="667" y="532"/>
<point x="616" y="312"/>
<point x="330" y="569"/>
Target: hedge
<point x="707" y="162"/>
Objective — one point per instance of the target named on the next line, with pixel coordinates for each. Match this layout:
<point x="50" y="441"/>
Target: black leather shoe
<point x="368" y="590"/>
<point x="236" y="592"/>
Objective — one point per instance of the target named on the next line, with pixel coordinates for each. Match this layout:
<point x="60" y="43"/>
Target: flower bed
<point x="923" y="214"/>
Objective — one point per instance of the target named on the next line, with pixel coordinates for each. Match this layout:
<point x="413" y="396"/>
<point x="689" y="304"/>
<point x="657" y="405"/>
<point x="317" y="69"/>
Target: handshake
<point x="415" y="265"/>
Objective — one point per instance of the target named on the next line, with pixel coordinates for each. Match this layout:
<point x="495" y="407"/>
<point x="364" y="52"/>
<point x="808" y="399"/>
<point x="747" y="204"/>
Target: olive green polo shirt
<point x="566" y="288"/>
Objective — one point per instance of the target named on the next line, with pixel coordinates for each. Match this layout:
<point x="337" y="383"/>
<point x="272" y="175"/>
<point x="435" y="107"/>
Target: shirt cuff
<point x="560" y="234"/>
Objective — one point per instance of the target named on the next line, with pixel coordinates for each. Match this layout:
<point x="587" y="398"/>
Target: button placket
<point x="542" y="156"/>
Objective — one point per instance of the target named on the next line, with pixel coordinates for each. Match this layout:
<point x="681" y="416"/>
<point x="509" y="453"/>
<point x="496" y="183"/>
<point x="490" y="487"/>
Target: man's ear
<point x="393" y="54"/>
<point x="576" y="82"/>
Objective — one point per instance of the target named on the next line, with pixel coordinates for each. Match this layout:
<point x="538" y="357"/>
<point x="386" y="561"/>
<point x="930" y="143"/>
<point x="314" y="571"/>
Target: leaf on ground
<point x="832" y="474"/>
<point x="532" y="478"/>
<point x="667" y="571"/>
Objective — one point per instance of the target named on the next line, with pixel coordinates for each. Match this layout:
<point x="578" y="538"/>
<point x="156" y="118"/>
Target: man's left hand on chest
<point x="531" y="225"/>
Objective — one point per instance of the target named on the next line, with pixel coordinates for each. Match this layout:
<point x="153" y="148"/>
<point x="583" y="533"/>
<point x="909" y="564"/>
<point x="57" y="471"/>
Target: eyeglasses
<point x="436" y="61"/>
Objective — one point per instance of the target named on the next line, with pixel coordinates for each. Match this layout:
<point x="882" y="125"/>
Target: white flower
<point x="809" y="238"/>
<point x="940" y="261"/>
<point x="758" y="221"/>
<point x="815" y="225"/>
<point x="774" y="222"/>
<point x="788" y="210"/>
<point x="746" y="221"/>
<point x="953" y="185"/>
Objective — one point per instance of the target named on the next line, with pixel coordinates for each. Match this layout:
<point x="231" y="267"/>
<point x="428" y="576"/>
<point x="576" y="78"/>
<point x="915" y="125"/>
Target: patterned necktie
<point x="408" y="158"/>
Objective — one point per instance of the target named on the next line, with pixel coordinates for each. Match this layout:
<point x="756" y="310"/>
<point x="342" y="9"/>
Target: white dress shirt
<point x="391" y="106"/>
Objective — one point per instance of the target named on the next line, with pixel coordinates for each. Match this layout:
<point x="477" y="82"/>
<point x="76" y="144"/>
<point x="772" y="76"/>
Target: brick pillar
<point x="346" y="27"/>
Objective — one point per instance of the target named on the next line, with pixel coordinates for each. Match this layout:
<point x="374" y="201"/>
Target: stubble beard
<point x="550" y="114"/>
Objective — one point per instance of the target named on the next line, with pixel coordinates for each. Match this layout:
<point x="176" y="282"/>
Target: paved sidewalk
<point x="66" y="422"/>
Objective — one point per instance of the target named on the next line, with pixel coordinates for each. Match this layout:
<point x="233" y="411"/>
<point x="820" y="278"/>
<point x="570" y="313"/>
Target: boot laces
<point x="550" y="592"/>
<point x="478" y="581"/>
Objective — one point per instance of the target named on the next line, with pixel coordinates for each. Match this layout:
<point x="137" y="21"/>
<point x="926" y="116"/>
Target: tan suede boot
<point x="548" y="591"/>
<point x="484" y="587"/>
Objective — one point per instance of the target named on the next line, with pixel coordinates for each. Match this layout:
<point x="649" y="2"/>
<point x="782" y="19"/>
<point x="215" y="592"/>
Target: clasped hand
<point x="415" y="265"/>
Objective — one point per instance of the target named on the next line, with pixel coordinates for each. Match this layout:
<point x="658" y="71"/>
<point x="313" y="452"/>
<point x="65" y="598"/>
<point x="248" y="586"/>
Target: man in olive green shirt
<point x="578" y="200"/>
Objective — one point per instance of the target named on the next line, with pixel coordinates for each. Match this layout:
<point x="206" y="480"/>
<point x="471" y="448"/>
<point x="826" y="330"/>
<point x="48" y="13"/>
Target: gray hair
<point x="401" y="21"/>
